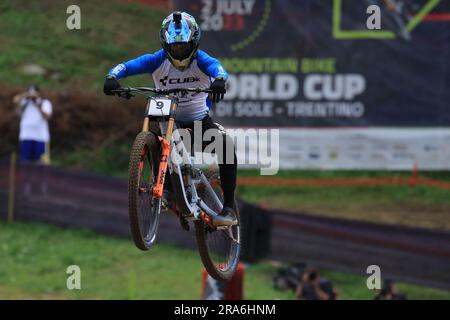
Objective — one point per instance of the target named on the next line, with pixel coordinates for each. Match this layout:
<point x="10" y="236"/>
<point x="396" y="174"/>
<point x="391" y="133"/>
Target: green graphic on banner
<point x="340" y="34"/>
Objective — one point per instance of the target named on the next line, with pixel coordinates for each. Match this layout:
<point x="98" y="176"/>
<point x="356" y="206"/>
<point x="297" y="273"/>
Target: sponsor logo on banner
<point x="377" y="156"/>
<point x="333" y="152"/>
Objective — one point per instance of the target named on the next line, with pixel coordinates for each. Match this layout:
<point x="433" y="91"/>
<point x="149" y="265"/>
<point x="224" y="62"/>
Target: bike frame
<point x="172" y="147"/>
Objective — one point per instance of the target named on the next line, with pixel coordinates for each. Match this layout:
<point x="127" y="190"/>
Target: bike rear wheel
<point x="144" y="210"/>
<point x="220" y="248"/>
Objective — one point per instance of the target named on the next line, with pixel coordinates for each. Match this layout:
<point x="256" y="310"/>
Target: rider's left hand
<point x="218" y="90"/>
<point x="111" y="84"/>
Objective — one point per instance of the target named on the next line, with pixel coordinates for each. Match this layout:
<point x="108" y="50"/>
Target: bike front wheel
<point x="144" y="210"/>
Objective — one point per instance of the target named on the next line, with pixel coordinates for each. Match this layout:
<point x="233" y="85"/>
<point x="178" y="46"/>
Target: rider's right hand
<point x="111" y="84"/>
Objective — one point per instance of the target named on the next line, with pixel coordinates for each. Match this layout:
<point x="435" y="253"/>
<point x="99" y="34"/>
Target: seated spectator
<point x="389" y="292"/>
<point x="288" y="278"/>
<point x="314" y="287"/>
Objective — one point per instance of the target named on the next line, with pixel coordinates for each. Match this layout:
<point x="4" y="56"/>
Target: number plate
<point x="159" y="107"/>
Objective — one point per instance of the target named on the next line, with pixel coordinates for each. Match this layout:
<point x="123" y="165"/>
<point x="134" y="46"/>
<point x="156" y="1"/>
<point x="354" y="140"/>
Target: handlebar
<point x="127" y="92"/>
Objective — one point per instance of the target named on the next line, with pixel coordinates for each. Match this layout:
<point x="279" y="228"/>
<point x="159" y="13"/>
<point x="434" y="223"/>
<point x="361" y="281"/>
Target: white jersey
<point x="33" y="125"/>
<point x="191" y="106"/>
<point x="199" y="74"/>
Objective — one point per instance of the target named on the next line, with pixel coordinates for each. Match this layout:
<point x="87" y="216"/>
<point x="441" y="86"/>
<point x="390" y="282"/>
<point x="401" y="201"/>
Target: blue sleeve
<point x="210" y="66"/>
<point x="147" y="63"/>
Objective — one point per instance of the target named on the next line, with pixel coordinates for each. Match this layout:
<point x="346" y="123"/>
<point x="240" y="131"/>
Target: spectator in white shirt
<point x="34" y="136"/>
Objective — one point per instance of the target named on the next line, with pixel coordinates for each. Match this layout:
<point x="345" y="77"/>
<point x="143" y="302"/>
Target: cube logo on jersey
<point x="164" y="81"/>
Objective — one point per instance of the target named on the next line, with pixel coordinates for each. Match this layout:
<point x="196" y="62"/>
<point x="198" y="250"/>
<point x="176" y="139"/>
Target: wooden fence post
<point x="12" y="187"/>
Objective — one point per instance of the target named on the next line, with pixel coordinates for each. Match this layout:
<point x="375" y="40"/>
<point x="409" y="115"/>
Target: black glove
<point x="111" y="84"/>
<point x="218" y="90"/>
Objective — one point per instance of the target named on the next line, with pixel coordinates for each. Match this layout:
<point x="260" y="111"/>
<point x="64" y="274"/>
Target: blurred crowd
<point x="308" y="284"/>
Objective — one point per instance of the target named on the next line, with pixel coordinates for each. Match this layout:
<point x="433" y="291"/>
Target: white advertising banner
<point x="353" y="148"/>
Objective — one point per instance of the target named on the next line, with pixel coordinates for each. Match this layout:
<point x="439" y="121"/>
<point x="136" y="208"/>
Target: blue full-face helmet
<point x="180" y="37"/>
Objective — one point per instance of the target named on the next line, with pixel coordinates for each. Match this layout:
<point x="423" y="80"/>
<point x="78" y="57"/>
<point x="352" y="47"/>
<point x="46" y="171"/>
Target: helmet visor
<point x="181" y="50"/>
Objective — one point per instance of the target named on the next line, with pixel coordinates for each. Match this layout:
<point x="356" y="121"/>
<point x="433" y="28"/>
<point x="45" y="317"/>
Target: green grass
<point x="34" y="258"/>
<point x="36" y="32"/>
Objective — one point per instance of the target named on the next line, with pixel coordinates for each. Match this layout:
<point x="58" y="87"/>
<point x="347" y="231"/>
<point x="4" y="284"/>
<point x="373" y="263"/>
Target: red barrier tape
<point x="344" y="182"/>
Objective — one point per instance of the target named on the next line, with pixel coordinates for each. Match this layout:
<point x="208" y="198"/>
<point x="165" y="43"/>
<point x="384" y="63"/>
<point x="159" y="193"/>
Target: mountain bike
<point x="197" y="195"/>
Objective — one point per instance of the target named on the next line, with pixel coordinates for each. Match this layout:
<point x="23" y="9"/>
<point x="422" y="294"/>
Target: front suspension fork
<point x="164" y="160"/>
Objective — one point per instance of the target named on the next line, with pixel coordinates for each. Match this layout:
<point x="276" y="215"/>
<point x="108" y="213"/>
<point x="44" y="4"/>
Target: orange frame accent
<point x="165" y="153"/>
<point x="206" y="219"/>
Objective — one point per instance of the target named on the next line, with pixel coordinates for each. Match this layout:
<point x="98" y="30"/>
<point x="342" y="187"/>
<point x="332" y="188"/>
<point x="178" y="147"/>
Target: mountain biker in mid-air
<point x="179" y="64"/>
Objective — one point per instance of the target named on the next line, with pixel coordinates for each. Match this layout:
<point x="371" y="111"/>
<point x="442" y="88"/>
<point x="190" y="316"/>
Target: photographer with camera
<point x="34" y="136"/>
